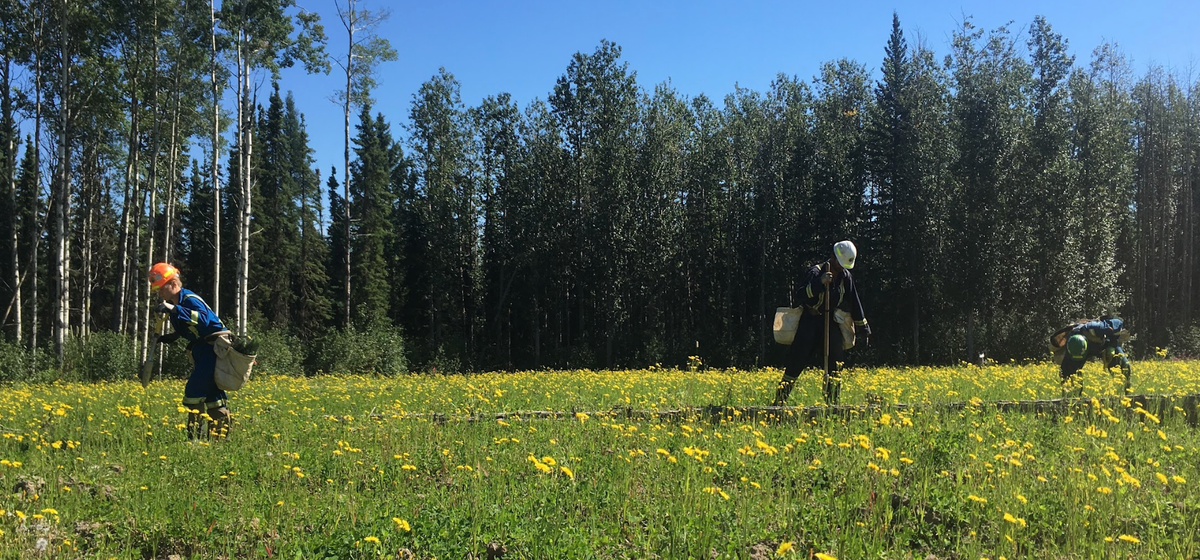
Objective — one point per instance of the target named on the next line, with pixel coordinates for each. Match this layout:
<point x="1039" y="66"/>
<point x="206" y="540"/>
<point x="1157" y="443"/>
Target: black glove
<point x="164" y="308"/>
<point x="168" y="338"/>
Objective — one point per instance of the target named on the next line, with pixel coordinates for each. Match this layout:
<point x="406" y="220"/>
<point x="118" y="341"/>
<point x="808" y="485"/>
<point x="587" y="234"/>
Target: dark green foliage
<point x="1184" y="343"/>
<point x="335" y="265"/>
<point x="195" y="260"/>
<point x="18" y="363"/>
<point x="379" y="350"/>
<point x="371" y="206"/>
<point x="104" y="356"/>
<point x="311" y="281"/>
<point x="277" y="352"/>
<point x="275" y="247"/>
<point x="449" y="215"/>
<point x="992" y="196"/>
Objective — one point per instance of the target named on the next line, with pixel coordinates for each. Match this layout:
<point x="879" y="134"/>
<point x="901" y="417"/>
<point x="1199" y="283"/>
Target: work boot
<point x="833" y="389"/>
<point x="1071" y="389"/>
<point x="782" y="391"/>
<point x="221" y="422"/>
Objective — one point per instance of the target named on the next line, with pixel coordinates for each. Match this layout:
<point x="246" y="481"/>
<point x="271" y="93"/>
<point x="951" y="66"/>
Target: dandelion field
<point x="361" y="467"/>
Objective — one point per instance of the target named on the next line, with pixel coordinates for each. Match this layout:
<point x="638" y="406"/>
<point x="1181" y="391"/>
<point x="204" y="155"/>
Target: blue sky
<point x="700" y="46"/>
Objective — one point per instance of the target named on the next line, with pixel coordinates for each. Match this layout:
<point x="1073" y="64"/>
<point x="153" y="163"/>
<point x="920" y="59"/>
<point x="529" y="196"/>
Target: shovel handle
<point x="827" y="297"/>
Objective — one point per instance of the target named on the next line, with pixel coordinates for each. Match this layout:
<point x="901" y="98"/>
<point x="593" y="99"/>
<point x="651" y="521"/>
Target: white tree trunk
<point x="14" y="241"/>
<point x="216" y="158"/>
<point x="171" y="203"/>
<point x="63" y="200"/>
<point x="35" y="233"/>
<point x="152" y="210"/>
<point x="244" y="268"/>
<point x="350" y="16"/>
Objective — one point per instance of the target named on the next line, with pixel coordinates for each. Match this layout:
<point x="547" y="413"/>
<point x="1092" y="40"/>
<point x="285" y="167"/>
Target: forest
<point x="996" y="187"/>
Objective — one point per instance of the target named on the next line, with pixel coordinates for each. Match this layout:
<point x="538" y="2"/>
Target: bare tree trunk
<point x="14" y="241"/>
<point x="241" y="149"/>
<point x="152" y="210"/>
<point x="762" y="301"/>
<point x="216" y="176"/>
<point x="127" y="207"/>
<point x="970" y="336"/>
<point x="90" y="195"/>
<point x="62" y="206"/>
<point x="245" y="153"/>
<point x="247" y="192"/>
<point x="138" y="288"/>
<point x="537" y="333"/>
<point x="1187" y="226"/>
<point x="171" y="203"/>
<point x="36" y="232"/>
<point x="346" y="157"/>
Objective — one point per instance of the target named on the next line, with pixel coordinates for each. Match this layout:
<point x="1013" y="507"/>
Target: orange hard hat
<point x="160" y="273"/>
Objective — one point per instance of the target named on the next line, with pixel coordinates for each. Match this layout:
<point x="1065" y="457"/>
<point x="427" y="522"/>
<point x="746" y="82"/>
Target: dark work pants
<point x="806" y="350"/>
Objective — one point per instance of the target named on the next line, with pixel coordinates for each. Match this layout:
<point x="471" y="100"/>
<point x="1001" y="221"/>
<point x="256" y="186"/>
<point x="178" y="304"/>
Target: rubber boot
<point x="221" y="422"/>
<point x="832" y="389"/>
<point x="782" y="391"/>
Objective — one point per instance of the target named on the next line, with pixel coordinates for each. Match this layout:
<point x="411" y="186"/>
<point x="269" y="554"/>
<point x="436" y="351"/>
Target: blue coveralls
<point x="1103" y="342"/>
<point x="194" y="320"/>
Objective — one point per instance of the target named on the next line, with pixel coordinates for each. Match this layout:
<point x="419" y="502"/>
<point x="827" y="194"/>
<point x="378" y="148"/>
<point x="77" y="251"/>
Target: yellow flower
<point x="1014" y="519"/>
<point x="1129" y="539"/>
<point x="1104" y="490"/>
<point x="568" y="472"/>
<point x="371" y="539"/>
<point x="402" y="524"/>
<point x="784" y="548"/>
<point x="823" y="556"/>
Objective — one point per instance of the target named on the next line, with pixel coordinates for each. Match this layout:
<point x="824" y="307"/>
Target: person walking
<point x="192" y="319"/>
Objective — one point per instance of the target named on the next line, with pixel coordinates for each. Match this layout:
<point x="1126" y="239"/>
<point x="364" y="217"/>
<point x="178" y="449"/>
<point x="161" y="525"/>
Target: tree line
<point x="995" y="192"/>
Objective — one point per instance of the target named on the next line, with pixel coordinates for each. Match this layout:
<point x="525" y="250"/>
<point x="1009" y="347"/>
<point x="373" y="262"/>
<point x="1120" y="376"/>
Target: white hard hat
<point x="845" y="253"/>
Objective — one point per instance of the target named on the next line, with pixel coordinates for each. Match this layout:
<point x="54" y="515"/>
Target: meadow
<point x="420" y="467"/>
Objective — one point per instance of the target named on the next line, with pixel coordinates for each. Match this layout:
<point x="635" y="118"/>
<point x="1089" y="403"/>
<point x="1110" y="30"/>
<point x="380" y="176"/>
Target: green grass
<point x="324" y="467"/>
